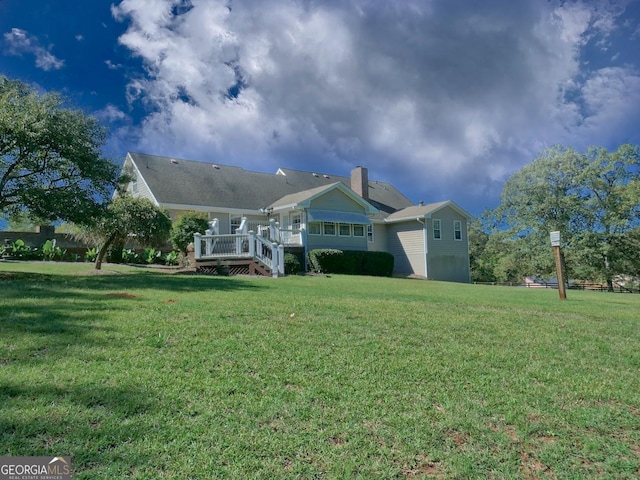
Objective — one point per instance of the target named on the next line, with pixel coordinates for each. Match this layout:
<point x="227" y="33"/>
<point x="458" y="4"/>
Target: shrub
<point x="91" y="254"/>
<point x="378" y="264"/>
<point x="291" y="264"/>
<point x="151" y="255"/>
<point x="130" y="256"/>
<point x="351" y="262"/>
<point x="50" y="251"/>
<point x="19" y="250"/>
<point x="184" y="228"/>
<point x="172" y="258"/>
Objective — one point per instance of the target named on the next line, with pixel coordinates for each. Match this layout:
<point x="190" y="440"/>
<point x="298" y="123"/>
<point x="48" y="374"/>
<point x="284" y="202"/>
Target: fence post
<point x="197" y="245"/>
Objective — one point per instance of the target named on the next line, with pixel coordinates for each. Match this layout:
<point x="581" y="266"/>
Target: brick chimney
<point x="360" y="182"/>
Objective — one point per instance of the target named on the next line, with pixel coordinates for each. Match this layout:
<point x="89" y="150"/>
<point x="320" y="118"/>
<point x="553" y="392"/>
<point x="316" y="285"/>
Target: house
<point x="307" y="210"/>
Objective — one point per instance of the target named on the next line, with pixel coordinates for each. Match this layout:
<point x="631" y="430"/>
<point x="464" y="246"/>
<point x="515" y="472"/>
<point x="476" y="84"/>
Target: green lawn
<point x="142" y="374"/>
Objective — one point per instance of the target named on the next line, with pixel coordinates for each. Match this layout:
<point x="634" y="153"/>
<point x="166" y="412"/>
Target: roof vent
<point x="315" y="174"/>
<point x="326" y="176"/>
<point x="174" y="161"/>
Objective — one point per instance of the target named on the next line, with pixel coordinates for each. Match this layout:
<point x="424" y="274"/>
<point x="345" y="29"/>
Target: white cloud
<point x="612" y="97"/>
<point x="430" y="95"/>
<point x="111" y="113"/>
<point x="112" y="66"/>
<point x="19" y="42"/>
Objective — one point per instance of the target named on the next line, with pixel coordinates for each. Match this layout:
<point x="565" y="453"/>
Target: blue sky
<point x="443" y="98"/>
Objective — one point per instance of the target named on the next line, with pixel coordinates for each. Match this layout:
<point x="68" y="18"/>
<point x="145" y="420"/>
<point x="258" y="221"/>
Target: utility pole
<point x="555" y="243"/>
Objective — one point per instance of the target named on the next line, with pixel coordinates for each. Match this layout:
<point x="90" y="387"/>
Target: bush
<point x="184" y="228"/>
<point x="378" y="264"/>
<point x="151" y="256"/>
<point x="130" y="256"/>
<point x="291" y="264"/>
<point x="20" y="251"/>
<point x="172" y="258"/>
<point x="351" y="262"/>
<point x="51" y="252"/>
<point x="91" y="255"/>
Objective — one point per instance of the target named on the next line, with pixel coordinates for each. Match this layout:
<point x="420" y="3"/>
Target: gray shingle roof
<point x="186" y="182"/>
<point x="382" y="195"/>
<point x="416" y="211"/>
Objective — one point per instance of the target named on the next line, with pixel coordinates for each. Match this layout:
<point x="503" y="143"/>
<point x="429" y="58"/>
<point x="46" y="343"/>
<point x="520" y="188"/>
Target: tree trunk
<point x="103" y="251"/>
<point x="607" y="267"/>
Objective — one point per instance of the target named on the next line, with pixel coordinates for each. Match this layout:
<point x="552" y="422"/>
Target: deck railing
<point x="240" y="246"/>
<point x="285" y="236"/>
<point x="290" y="236"/>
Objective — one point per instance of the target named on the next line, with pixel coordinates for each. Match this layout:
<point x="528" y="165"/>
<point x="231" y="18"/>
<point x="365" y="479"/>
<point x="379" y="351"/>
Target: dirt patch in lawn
<point x="121" y="295"/>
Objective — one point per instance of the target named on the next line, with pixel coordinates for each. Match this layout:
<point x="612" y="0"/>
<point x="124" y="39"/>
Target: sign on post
<point x="555" y="243"/>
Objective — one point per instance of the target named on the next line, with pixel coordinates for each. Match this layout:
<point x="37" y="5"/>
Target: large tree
<point x="51" y="165"/>
<point x="592" y="198"/>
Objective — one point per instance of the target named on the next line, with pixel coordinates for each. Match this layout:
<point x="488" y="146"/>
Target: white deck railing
<point x="240" y="246"/>
<point x="290" y="236"/>
<point x="286" y="236"/>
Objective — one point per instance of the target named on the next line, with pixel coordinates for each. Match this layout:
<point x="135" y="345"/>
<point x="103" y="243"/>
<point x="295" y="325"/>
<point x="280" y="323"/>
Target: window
<point x="358" y="230"/>
<point x="370" y="233"/>
<point x="295" y="220"/>
<point x="134" y="186"/>
<point x="235" y="223"/>
<point x="329" y="228"/>
<point x="344" y="229"/>
<point x="457" y="230"/>
<point x="315" y="228"/>
<point x="437" y="229"/>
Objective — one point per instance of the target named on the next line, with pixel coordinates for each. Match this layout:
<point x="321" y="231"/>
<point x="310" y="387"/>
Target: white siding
<point x="141" y="188"/>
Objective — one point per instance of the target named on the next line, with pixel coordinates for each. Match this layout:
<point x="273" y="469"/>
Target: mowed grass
<point x="140" y="374"/>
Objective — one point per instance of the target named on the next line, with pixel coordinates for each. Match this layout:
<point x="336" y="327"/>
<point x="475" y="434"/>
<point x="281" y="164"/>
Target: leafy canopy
<point x="51" y="166"/>
<point x="592" y="198"/>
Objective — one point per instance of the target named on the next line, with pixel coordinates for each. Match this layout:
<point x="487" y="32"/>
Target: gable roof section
<point x="303" y="199"/>
<point x="182" y="182"/>
<point x="131" y="168"/>
<point x="382" y="195"/>
<point x="185" y="182"/>
<point x="423" y="211"/>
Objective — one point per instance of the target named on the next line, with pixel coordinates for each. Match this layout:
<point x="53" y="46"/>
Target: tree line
<point x="592" y="198"/>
